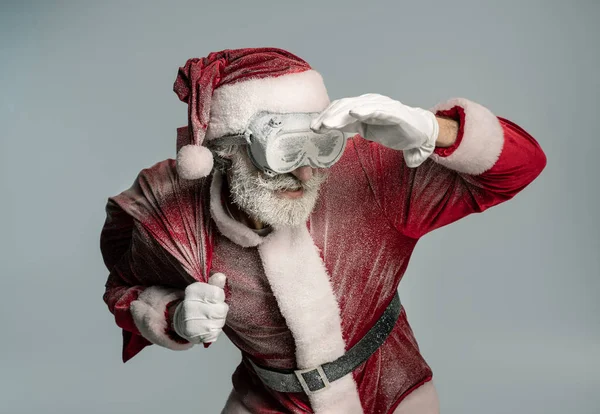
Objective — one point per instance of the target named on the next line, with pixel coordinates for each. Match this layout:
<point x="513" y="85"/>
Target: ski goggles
<point x="280" y="143"/>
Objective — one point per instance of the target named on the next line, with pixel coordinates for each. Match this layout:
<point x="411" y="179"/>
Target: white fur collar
<point x="306" y="299"/>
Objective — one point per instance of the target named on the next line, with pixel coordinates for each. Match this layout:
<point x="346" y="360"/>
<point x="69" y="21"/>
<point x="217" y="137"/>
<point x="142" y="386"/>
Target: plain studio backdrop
<point x="504" y="304"/>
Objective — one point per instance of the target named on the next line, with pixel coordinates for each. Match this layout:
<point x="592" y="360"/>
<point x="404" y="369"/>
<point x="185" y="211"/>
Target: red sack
<point x="158" y="232"/>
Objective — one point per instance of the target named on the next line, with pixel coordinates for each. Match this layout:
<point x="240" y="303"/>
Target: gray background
<point x="504" y="304"/>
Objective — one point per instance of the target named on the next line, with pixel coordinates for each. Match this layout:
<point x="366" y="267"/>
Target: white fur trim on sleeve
<point x="482" y="140"/>
<point x="148" y="313"/>
<point x="306" y="299"/>
<point x="233" y="105"/>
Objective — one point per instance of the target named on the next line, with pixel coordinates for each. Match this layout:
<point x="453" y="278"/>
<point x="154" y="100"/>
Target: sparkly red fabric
<point x="199" y="77"/>
<point x="371" y="213"/>
<point x="156" y="233"/>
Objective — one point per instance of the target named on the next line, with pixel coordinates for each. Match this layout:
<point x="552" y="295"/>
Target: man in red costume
<point x="287" y="221"/>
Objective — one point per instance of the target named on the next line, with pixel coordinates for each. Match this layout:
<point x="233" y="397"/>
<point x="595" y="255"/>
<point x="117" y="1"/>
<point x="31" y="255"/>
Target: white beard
<point x="256" y="193"/>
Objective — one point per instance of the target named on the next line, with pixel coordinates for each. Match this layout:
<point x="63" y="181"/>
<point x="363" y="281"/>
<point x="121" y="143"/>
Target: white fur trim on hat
<point x="148" y="313"/>
<point x="233" y="105"/>
<point x="194" y="161"/>
<point x="482" y="140"/>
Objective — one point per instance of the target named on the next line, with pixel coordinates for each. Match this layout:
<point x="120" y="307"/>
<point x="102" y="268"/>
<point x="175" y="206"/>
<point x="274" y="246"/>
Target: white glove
<point x="200" y="317"/>
<point x="386" y="121"/>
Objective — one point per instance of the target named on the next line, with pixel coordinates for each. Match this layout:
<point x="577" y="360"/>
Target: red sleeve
<point x="139" y="308"/>
<point x="492" y="160"/>
<point x="118" y="298"/>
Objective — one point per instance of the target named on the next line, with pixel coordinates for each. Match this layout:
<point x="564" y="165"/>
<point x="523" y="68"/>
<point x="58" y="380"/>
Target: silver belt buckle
<point x="303" y="383"/>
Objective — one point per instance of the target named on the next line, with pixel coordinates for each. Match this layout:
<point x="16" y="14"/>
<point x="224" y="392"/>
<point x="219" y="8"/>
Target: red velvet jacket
<point x="371" y="212"/>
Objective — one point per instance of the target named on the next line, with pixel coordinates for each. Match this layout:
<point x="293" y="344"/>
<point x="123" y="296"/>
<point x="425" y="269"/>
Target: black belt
<point x="319" y="378"/>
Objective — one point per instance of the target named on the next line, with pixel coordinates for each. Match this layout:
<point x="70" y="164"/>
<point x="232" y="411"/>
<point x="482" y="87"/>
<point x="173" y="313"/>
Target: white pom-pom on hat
<point x="194" y="161"/>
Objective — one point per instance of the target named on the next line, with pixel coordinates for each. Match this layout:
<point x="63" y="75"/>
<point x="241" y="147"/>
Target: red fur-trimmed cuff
<point x="458" y="114"/>
<point x="480" y="138"/>
<point x="148" y="313"/>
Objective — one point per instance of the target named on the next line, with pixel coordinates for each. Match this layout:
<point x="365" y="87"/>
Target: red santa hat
<point x="225" y="89"/>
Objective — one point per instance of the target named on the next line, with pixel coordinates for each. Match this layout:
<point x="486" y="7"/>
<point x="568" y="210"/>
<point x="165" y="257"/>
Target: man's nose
<point x="303" y="173"/>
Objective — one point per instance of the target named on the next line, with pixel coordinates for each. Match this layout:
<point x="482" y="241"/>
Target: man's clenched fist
<point x="200" y="317"/>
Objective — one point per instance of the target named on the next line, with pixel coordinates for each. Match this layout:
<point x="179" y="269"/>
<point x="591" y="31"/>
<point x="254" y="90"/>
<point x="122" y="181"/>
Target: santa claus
<point x="287" y="222"/>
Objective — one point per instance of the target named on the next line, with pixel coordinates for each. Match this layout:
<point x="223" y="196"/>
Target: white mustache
<point x="280" y="183"/>
<point x="287" y="182"/>
<point x="256" y="193"/>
